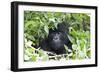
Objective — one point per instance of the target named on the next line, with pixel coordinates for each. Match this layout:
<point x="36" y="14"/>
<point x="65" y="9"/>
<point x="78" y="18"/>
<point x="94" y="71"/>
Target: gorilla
<point x="56" y="40"/>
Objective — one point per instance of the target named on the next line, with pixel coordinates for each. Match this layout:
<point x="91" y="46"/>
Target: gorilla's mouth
<point x="56" y="45"/>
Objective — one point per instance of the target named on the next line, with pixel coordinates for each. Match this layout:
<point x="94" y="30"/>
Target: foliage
<point x="36" y="28"/>
<point x="81" y="44"/>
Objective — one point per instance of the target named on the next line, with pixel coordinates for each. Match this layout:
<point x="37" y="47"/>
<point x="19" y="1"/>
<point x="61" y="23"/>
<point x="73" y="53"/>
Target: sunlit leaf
<point x="26" y="57"/>
<point x="82" y="44"/>
<point x="71" y="39"/>
<point x="66" y="48"/>
<point x="34" y="58"/>
<point x="46" y="29"/>
<point x="74" y="46"/>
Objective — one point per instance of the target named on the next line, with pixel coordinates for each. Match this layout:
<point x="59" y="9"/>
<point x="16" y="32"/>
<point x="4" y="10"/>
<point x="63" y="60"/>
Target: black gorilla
<point x="56" y="40"/>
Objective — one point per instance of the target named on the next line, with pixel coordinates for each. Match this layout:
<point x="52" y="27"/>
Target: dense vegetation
<point x="37" y="26"/>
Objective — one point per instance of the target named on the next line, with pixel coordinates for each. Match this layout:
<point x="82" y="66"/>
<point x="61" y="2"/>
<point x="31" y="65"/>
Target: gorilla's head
<point x="56" y="40"/>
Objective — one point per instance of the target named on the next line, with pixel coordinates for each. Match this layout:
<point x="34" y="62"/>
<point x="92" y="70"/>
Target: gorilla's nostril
<point x="56" y="38"/>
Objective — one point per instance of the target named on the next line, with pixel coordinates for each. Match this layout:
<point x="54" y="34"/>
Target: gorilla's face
<point x="56" y="40"/>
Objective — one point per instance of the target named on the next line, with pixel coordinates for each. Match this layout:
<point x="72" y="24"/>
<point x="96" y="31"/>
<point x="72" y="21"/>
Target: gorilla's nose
<point x="56" y="38"/>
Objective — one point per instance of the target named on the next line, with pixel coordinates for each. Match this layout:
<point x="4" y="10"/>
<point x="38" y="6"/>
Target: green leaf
<point x="26" y="57"/>
<point x="34" y="58"/>
<point x="46" y="29"/>
<point x="89" y="53"/>
<point x="82" y="44"/>
<point x="45" y="57"/>
<point x="66" y="48"/>
<point x="31" y="50"/>
<point x="78" y="42"/>
<point x="30" y="23"/>
<point x="74" y="46"/>
<point x="71" y="39"/>
<point x="41" y="52"/>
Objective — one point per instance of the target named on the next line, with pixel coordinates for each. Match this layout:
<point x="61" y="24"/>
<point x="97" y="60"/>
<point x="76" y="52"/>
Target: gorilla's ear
<point x="63" y="27"/>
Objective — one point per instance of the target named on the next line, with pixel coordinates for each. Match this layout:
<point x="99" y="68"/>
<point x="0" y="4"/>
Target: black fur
<point x="56" y="40"/>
